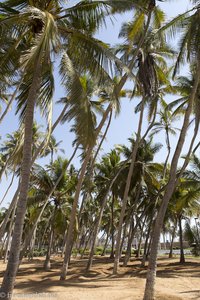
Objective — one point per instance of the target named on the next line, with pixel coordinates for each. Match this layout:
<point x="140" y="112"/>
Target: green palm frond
<point x="132" y="29"/>
<point x="80" y="108"/>
<point x="42" y="45"/>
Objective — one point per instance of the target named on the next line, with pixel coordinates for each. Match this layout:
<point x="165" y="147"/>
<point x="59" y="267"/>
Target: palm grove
<point x="120" y="195"/>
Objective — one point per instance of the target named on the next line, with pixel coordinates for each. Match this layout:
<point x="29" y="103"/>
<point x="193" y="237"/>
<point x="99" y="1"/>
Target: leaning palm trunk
<point x="15" y="197"/>
<point x="9" y="103"/>
<point x="8" y="213"/>
<point x="130" y="240"/>
<point x="101" y="142"/>
<point x="168" y="154"/>
<point x="131" y="234"/>
<point x="70" y="234"/>
<point x="132" y="229"/>
<point x="4" y="168"/>
<point x="172" y="242"/>
<point x="151" y="274"/>
<point x="124" y="234"/>
<point x="106" y="243"/>
<point x="112" y="227"/>
<point x="92" y="164"/>
<point x="47" y="263"/>
<point x="116" y="92"/>
<point x="8" y="188"/>
<point x="126" y="191"/>
<point x="34" y="228"/>
<point x="190" y="151"/>
<point x="13" y="261"/>
<point x="144" y="258"/>
<point x="11" y="226"/>
<point x="117" y="255"/>
<point x="98" y="223"/>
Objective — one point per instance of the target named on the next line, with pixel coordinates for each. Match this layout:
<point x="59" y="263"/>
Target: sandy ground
<point x="174" y="281"/>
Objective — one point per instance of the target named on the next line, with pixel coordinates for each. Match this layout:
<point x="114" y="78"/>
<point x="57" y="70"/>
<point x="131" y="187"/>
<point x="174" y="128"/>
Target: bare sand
<point x="174" y="281"/>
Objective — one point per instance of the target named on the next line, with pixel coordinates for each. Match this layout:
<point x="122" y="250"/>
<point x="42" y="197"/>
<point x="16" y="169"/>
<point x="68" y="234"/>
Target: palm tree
<point x="144" y="180"/>
<point x="184" y="203"/>
<point x="108" y="171"/>
<point x="12" y="148"/>
<point x="149" y="69"/>
<point x="40" y="149"/>
<point x="47" y="195"/>
<point x="45" y="180"/>
<point x="189" y="46"/>
<point x="32" y="72"/>
<point x="37" y="30"/>
<point x="166" y="124"/>
<point x="86" y="133"/>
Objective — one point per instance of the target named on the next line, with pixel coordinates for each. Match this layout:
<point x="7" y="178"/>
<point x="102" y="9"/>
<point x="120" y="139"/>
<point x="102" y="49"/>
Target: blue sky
<point x="122" y="126"/>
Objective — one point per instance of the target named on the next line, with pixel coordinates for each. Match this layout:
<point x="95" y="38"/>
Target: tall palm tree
<point x="12" y="148"/>
<point x="37" y="28"/>
<point x="87" y="133"/>
<point x="144" y="181"/>
<point x="44" y="180"/>
<point x="166" y="124"/>
<point x="105" y="180"/>
<point x="184" y="203"/>
<point x="189" y="47"/>
<point x="150" y="70"/>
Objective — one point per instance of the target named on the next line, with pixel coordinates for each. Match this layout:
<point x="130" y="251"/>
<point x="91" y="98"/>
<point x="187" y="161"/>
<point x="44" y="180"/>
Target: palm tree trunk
<point x="106" y="243"/>
<point x="9" y="234"/>
<point x="9" y="103"/>
<point x="132" y="230"/>
<point x="149" y="247"/>
<point x="168" y="154"/>
<point x="182" y="256"/>
<point x="130" y="240"/>
<point x="123" y="238"/>
<point x="15" y="197"/>
<point x="33" y="229"/>
<point x="112" y="226"/>
<point x="63" y="243"/>
<point x="32" y="246"/>
<point x="4" y="168"/>
<point x="139" y="244"/>
<point x="3" y="246"/>
<point x="151" y="274"/>
<point x="13" y="261"/>
<point x="164" y="241"/>
<point x="123" y="80"/>
<point x="8" y="213"/>
<point x="70" y="233"/>
<point x="8" y="188"/>
<point x="95" y="156"/>
<point x="187" y="158"/>
<point x="96" y="230"/>
<point x="47" y="263"/>
<point x="126" y="191"/>
<point x="144" y="258"/>
<point x="87" y="241"/>
<point x="43" y="143"/>
<point x="172" y="241"/>
<point x="102" y="140"/>
<point x="128" y="251"/>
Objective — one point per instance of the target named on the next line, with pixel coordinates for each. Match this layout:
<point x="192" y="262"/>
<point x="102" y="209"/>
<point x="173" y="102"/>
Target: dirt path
<point x="173" y="281"/>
